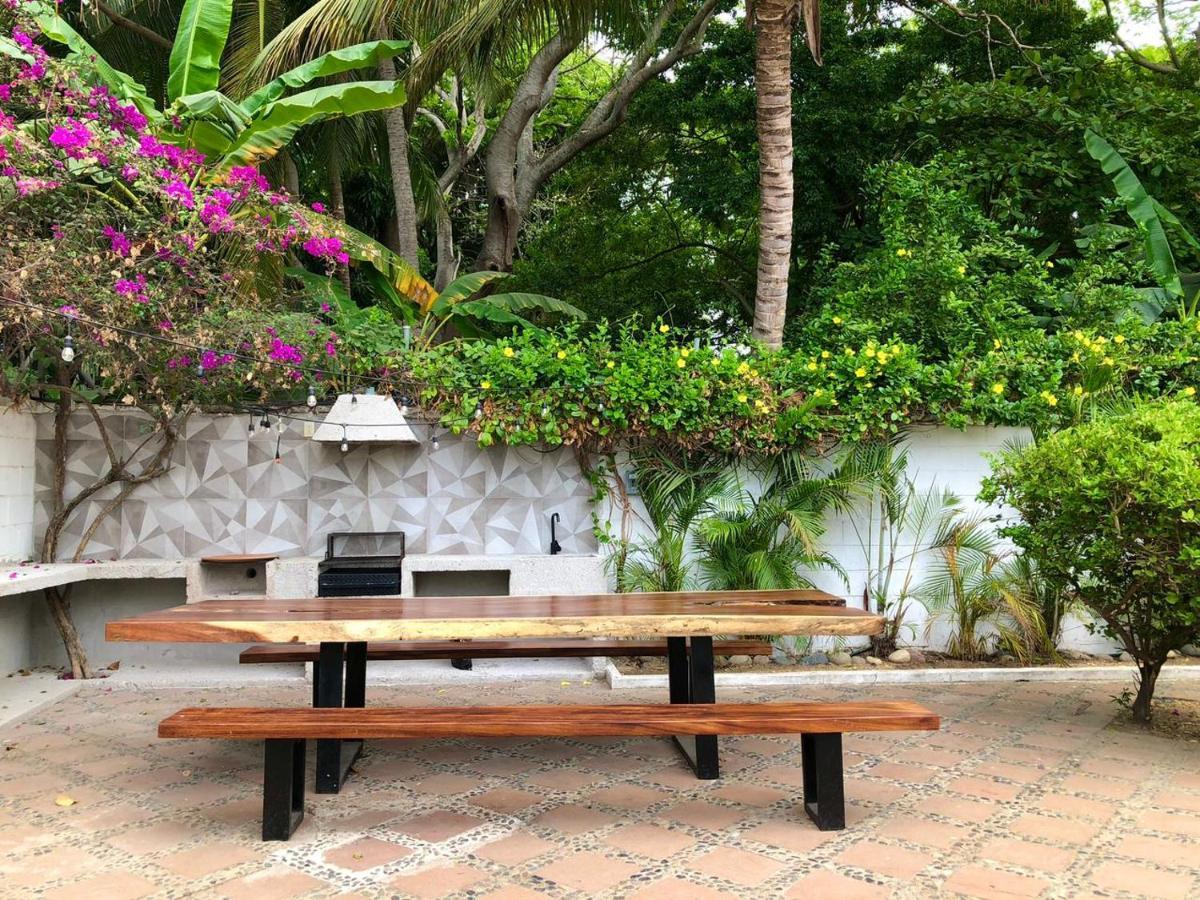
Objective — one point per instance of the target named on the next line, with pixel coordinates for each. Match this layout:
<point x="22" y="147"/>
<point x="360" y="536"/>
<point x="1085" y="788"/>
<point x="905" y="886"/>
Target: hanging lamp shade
<point x="365" y="419"/>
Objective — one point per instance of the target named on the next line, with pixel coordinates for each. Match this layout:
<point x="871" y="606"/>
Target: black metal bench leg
<point x="334" y="757"/>
<point x="824" y="795"/>
<point x="692" y="679"/>
<point x="283" y="789"/>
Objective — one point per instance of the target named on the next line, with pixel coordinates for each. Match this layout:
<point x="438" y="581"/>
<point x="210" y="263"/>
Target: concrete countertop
<point x="16" y="578"/>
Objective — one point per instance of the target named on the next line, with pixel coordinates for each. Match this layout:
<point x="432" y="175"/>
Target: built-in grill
<point x="361" y="564"/>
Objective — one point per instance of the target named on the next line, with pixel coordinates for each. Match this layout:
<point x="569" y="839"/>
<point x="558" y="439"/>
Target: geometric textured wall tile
<point x="217" y="469"/>
<point x="215" y="527"/>
<point x="226" y="494"/>
<point x="276" y="526"/>
<point x="154" y="529"/>
<point x="455" y="525"/>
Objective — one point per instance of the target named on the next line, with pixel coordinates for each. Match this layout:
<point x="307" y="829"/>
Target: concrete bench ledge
<point x="21" y="579"/>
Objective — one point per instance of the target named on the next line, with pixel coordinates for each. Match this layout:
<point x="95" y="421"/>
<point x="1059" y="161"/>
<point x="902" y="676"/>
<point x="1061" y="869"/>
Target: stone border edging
<point x="831" y="675"/>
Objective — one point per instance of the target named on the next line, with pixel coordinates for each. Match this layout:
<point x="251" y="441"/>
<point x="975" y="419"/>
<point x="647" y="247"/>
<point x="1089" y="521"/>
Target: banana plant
<point x="1152" y="220"/>
<point x="238" y="132"/>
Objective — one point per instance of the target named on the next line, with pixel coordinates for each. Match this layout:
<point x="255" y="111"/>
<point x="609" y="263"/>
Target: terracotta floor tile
<point x="438" y="881"/>
<point x="1143" y="881"/>
<point x="574" y="819"/>
<point x="275" y="883"/>
<point x="649" y="840"/>
<point x="739" y="866"/>
<point x="206" y="859"/>
<point x="1170" y="821"/>
<point x="886" y="859"/>
<point x="704" y="814"/>
<point x="921" y="831"/>
<point x="1056" y="830"/>
<point x="515" y="849"/>
<point x="152" y="838"/>
<point x="825" y="884"/>
<point x="677" y="889"/>
<point x="588" y="871"/>
<point x="984" y="788"/>
<point x="504" y="800"/>
<point x="1092" y="785"/>
<point x="437" y="826"/>
<point x="980" y="881"/>
<point x="627" y="796"/>
<point x="365" y="853"/>
<point x="1159" y="851"/>
<point x="106" y="886"/>
<point x="1028" y="855"/>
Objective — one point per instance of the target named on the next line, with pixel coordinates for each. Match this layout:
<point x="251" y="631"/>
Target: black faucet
<point x="555" y="546"/>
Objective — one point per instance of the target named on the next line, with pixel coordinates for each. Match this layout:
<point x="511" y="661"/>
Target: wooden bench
<point x="522" y="649"/>
<point x="285" y="730"/>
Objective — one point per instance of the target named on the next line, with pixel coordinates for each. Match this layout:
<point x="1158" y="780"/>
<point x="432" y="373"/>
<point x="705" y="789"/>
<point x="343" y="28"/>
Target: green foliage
<point x="1108" y="512"/>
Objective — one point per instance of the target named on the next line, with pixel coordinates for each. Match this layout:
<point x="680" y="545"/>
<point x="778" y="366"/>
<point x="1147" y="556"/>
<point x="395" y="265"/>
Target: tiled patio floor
<point x="1026" y="791"/>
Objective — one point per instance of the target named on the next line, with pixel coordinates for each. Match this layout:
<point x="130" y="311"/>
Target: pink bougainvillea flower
<point x="179" y="191"/>
<point x="119" y="243"/>
<point x="318" y="207"/>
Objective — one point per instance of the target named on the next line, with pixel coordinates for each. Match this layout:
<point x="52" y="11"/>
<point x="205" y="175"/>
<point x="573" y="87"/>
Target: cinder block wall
<point x="17" y="467"/>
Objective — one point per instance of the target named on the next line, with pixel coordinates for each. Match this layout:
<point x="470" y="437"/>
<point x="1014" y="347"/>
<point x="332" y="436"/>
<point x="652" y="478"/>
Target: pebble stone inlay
<point x="1027" y="791"/>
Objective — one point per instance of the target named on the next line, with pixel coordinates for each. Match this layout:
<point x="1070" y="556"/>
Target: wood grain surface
<point x="729" y="613"/>
<point x="519" y="649"/>
<point x="616" y="720"/>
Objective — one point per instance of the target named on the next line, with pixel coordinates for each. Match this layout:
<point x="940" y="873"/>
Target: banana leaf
<point x="277" y="123"/>
<point x="1142" y="208"/>
<point x="402" y="277"/>
<point x="481" y="309"/>
<point x="517" y="301"/>
<point x="11" y="48"/>
<point x="459" y="290"/>
<point x="333" y="63"/>
<point x="195" y="64"/>
<point x="122" y="85"/>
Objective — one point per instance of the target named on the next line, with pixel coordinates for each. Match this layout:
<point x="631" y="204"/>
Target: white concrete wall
<point x="17" y="465"/>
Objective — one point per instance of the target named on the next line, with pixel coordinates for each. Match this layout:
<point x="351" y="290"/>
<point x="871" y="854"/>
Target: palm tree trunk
<point x="773" y="87"/>
<point x="337" y="199"/>
<point x="402" y="190"/>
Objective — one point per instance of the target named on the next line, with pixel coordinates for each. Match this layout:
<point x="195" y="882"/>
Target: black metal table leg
<point x="283" y="789"/>
<point x="824" y="795"/>
<point x="334" y="757"/>
<point x="692" y="678"/>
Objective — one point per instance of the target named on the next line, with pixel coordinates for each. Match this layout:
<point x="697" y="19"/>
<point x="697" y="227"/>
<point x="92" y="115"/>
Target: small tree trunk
<point x="58" y="600"/>
<point x="402" y="190"/>
<point x="291" y="175"/>
<point x="1147" y="677"/>
<point x="773" y="89"/>
<point x="447" y="258"/>
<point x="337" y="200"/>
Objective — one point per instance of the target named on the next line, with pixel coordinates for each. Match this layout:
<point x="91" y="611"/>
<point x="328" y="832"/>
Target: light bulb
<point x="312" y="397"/>
<point x="435" y="442"/>
<point x="478" y="412"/>
<point x="265" y="423"/>
<point x="68" y="350"/>
<point x="279" y="426"/>
<point x="345" y="446"/>
<point x="354" y="399"/>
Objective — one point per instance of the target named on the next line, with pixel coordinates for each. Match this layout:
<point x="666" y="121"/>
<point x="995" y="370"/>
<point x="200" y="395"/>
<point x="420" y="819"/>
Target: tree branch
<point x="1134" y="55"/>
<point x="137" y="28"/>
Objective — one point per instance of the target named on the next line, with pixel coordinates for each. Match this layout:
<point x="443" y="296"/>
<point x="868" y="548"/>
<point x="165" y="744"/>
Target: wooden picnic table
<point x="343" y="626"/>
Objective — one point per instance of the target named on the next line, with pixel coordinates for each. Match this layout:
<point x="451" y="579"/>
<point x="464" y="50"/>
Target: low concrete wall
<point x="17" y="441"/>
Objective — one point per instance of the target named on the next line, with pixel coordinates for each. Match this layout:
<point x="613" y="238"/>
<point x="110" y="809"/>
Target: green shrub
<point x="1109" y="511"/>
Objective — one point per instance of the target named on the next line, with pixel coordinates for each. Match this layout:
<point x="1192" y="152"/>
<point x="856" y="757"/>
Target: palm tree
<point x="773" y="21"/>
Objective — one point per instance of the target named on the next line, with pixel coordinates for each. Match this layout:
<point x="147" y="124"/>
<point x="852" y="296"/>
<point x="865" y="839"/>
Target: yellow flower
<point x="998" y="387"/>
<point x="1198" y="326"/>
<point x="837" y="320"/>
<point x="741" y="398"/>
<point x="664" y="328"/>
<point x="680" y="363"/>
<point x="1049" y="264"/>
<point x="849" y="352"/>
<point x="882" y="359"/>
<point x="685" y="352"/>
<point x="610" y="365"/>
<point x="1108" y="360"/>
<point x="962" y="270"/>
<point x="743" y="368"/>
<point x="562" y="354"/>
<point x="902" y="252"/>
<point x="754" y="373"/>
<point x="860" y="372"/>
<point x="1118" y="339"/>
<point x="825" y="354"/>
<point x="510" y="352"/>
<point x="870" y="352"/>
<point x="1075" y="356"/>
<point x="1189" y="391"/>
<point x="485" y="385"/>
<point x="812" y="367"/>
<point x="760" y="404"/>
<point x="1050" y="399"/>
<point x="716" y="362"/>
<point x="996" y="343"/>
<point x="1078" y="390"/>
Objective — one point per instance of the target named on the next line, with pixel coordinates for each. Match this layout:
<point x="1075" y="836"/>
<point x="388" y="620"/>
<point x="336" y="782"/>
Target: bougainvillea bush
<point x="131" y="273"/>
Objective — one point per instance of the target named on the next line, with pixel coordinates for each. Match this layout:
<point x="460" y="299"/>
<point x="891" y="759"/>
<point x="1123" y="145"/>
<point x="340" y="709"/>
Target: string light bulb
<point x="435" y="442"/>
<point x="405" y="400"/>
<point x="279" y="426"/>
<point x="264" y="423"/>
<point x="250" y="430"/>
<point x="68" y="349"/>
<point x="478" y="411"/>
<point x="345" y="443"/>
<point x="311" y="402"/>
